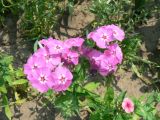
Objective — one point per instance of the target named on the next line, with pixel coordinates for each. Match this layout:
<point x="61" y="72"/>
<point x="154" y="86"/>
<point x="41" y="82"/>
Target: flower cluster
<point x="106" y="34"/>
<point x="49" y="67"/>
<point x="105" y="62"/>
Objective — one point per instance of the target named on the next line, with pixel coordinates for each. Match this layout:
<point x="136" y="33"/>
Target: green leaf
<point x="3" y="89"/>
<point x="134" y="68"/>
<point x="8" y="78"/>
<point x="70" y="7"/>
<point x="5" y="100"/>
<point x="121" y="97"/>
<point x="35" y="46"/>
<point x="150" y="99"/>
<point x="77" y="68"/>
<point x="62" y="98"/>
<point x="6" y="60"/>
<point x="1" y="81"/>
<point x="91" y="86"/>
<point x="20" y="101"/>
<point x="119" y="117"/>
<point x="11" y="68"/>
<point x="109" y="96"/>
<point x="49" y="92"/>
<point x="150" y="116"/>
<point x="90" y="43"/>
<point x="75" y="102"/>
<point x="140" y="110"/>
<point x="8" y="112"/>
<point x="19" y="82"/>
<point x="7" y="109"/>
<point x="19" y="73"/>
<point x="158" y="97"/>
<point x="16" y="96"/>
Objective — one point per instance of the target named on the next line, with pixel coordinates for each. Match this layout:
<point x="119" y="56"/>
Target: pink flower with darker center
<point x="94" y="57"/>
<point x="40" y="78"/>
<point x="115" y="52"/>
<point x="106" y="34"/>
<point x="107" y="65"/>
<point x="102" y="36"/>
<point x="118" y="33"/>
<point x="50" y="59"/>
<point x="62" y="79"/>
<point x="32" y="65"/>
<point x="54" y="46"/>
<point x="128" y="105"/>
<point x="70" y="57"/>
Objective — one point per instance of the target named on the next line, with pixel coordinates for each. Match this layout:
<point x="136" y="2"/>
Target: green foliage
<point x="121" y="13"/>
<point x="81" y="70"/>
<point x="130" y="47"/>
<point x="146" y="110"/>
<point x="12" y="81"/>
<point x="128" y="14"/>
<point x="8" y="6"/>
<point x="112" y="109"/>
<point x="89" y="43"/>
<point x="125" y="13"/>
<point x="114" y="12"/>
<point x="39" y="18"/>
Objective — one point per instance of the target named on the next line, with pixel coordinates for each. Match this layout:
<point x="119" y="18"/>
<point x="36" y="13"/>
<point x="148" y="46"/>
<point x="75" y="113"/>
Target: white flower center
<point x="62" y="79"/>
<point x="42" y="79"/>
<point x="35" y="66"/>
<point x="48" y="58"/>
<point x="104" y="37"/>
<point x="58" y="48"/>
<point x="114" y="32"/>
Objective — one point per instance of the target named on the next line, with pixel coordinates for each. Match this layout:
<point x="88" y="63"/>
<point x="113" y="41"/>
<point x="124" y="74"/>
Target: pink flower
<point x="107" y="65"/>
<point x="128" y="105"/>
<point x="50" y="59"/>
<point x="33" y="64"/>
<point x="99" y="61"/>
<point x="84" y="51"/>
<point x="94" y="57"/>
<point x="102" y="36"/>
<point x="115" y="52"/>
<point x="94" y="54"/>
<point x="105" y="34"/>
<point x="73" y="42"/>
<point x="118" y="33"/>
<point x="70" y="57"/>
<point x="40" y="78"/>
<point x="62" y="79"/>
<point x="54" y="46"/>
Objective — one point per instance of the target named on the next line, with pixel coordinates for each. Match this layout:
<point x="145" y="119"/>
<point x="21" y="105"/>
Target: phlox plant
<point x="51" y="66"/>
<point x="61" y="70"/>
<point x="64" y="66"/>
<point x="129" y="14"/>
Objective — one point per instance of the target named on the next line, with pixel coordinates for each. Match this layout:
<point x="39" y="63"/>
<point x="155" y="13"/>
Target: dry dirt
<point x="81" y="17"/>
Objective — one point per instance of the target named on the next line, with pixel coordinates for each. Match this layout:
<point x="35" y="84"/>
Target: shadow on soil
<point x="151" y="49"/>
